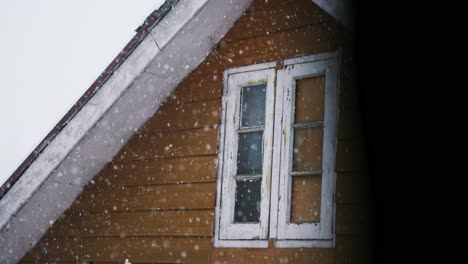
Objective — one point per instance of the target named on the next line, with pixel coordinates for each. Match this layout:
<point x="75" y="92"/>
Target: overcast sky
<point x="51" y="51"/>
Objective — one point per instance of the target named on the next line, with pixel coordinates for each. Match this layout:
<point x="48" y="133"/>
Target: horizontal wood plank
<point x="189" y="115"/>
<point x="139" y="190"/>
<point x="161" y="171"/>
<point x="171" y="144"/>
<point x="309" y="39"/>
<point x="152" y="197"/>
<point x="275" y="46"/>
<point x="135" y="249"/>
<point x="147" y="223"/>
<point x="198" y="86"/>
<point x="266" y="17"/>
<point x="272" y="255"/>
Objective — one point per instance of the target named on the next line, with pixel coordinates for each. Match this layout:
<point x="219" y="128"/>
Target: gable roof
<point x="167" y="47"/>
<point x="172" y="41"/>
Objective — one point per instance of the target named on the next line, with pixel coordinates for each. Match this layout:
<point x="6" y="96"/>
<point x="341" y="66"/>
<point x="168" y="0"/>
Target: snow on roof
<point x="121" y="100"/>
<point x="142" y="31"/>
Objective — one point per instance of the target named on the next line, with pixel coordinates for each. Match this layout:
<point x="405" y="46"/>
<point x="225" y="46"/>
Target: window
<point x="276" y="169"/>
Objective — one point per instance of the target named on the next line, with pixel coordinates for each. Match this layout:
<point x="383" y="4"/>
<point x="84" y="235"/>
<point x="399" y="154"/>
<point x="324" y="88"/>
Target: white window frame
<point x="321" y="232"/>
<point x="275" y="185"/>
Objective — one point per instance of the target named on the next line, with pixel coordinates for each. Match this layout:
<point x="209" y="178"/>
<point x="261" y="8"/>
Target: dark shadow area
<point x="409" y="117"/>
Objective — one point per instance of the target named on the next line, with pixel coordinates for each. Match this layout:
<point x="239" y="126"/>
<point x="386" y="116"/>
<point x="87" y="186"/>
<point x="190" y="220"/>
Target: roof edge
<point x="141" y="32"/>
<point x="96" y="134"/>
<point x="342" y="10"/>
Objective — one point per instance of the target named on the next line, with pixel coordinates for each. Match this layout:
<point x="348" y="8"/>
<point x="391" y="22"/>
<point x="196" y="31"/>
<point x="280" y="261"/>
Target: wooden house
<point x="225" y="132"/>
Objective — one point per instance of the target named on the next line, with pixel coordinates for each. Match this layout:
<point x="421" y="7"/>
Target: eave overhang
<point x="165" y="50"/>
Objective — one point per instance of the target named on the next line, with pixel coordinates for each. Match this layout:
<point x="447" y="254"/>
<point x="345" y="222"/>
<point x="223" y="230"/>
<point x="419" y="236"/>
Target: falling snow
<point x="156" y="198"/>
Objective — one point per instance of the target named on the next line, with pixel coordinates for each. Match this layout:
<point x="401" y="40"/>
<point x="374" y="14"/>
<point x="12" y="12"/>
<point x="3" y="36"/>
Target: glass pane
<point x="250" y="153"/>
<point x="253" y="105"/>
<point x="306" y="198"/>
<point x="247" y="207"/>
<point x="307" y="149"/>
<point x="310" y="99"/>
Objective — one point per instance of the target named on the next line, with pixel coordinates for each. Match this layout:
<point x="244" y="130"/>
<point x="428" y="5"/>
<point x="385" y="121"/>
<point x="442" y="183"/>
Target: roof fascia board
<point x="175" y="20"/>
<point x="142" y="32"/>
<point x="78" y="126"/>
<point x="124" y="103"/>
<point x="194" y="37"/>
<point x="341" y="10"/>
<point x="93" y="152"/>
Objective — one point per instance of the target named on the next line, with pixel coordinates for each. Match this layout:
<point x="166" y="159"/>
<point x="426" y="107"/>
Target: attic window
<point x="276" y="175"/>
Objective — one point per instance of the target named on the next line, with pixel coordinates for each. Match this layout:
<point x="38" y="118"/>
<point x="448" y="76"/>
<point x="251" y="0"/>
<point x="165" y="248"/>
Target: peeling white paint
<point x="174" y="21"/>
<point x="108" y="120"/>
<point x="81" y="123"/>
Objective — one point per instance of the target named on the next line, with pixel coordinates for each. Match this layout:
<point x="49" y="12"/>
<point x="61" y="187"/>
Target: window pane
<point x="247" y="207"/>
<point x="253" y="105"/>
<point x="250" y="153"/>
<point x="306" y="198"/>
<point x="310" y="99"/>
<point x="307" y="149"/>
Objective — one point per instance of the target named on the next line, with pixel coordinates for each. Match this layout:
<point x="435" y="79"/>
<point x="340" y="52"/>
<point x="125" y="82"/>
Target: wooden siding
<point x="155" y="201"/>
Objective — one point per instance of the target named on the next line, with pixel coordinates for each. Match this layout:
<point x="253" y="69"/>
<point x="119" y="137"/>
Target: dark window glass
<point x="247" y="206"/>
<point x="250" y="153"/>
<point x="253" y="105"/>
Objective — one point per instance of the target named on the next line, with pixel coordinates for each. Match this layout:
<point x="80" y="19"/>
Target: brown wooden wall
<point x="155" y="201"/>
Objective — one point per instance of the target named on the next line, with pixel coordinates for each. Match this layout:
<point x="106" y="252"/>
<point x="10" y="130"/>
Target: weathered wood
<point x="229" y="229"/>
<point x="189" y="115"/>
<point x="323" y="230"/>
<point x="284" y="44"/>
<point x="272" y="255"/>
<point x="199" y="85"/>
<point x="279" y="45"/>
<point x="171" y="144"/>
<point x="147" y="223"/>
<point x="161" y="171"/>
<point x="135" y="249"/>
<point x="205" y="81"/>
<point x="153" y="197"/>
<point x="74" y="262"/>
<point x="144" y="190"/>
<point x="266" y="17"/>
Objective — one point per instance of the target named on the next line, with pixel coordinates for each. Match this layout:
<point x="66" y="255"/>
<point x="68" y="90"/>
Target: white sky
<point x="51" y="51"/>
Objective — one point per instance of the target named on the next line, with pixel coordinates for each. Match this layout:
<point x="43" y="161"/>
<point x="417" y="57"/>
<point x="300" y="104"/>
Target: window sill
<point x="277" y="243"/>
